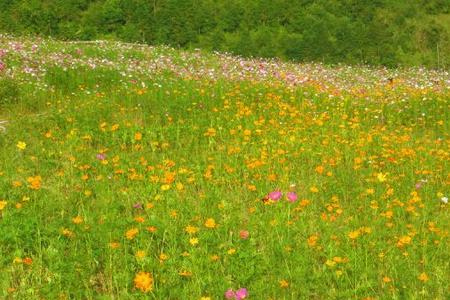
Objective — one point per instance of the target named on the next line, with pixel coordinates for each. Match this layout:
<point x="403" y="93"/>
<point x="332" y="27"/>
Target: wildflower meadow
<point x="136" y="172"/>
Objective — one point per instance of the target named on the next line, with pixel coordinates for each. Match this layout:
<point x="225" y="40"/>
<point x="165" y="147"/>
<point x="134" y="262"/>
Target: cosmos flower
<point x="242" y="293"/>
<point x="244" y="234"/>
<point x="137" y="205"/>
<point x="275" y="195"/>
<point x="230" y="294"/>
<point x="143" y="281"/>
<point x="21" y="145"/>
<point x="292" y="196"/>
<point x="101" y="156"/>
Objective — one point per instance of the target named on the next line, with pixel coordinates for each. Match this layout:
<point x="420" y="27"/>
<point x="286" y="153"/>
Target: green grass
<point x="349" y="229"/>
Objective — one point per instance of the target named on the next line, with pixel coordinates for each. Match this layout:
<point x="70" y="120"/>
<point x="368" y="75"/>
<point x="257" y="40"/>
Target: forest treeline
<point x="386" y="32"/>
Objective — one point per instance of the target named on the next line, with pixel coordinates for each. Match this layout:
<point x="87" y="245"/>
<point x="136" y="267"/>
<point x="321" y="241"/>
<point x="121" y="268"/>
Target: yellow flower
<point x="193" y="241"/>
<point x="185" y="273"/>
<point x="214" y="257"/>
<point x="67" y="233"/>
<point x="191" y="229"/>
<point x="231" y="251"/>
<point x="330" y="263"/>
<point x="131" y="233"/>
<point x="140" y="254"/>
<point x="34" y="182"/>
<point x="210" y="223"/>
<point x="165" y="187"/>
<point x="163" y="257"/>
<point x="354" y="234"/>
<point x="3" y="204"/>
<point x="114" y="245"/>
<point x="320" y="169"/>
<point x="210" y="132"/>
<point x="381" y="177"/>
<point x="314" y="189"/>
<point x="21" y="145"/>
<point x="423" y="277"/>
<point x="139" y="219"/>
<point x="138" y="136"/>
<point x="386" y="279"/>
<point x="312" y="240"/>
<point x="404" y="240"/>
<point x="143" y="281"/>
<point x="284" y="284"/>
<point x="16" y="183"/>
<point x="77" y="220"/>
<point x="180" y="186"/>
<point x="151" y="229"/>
<point x="17" y="260"/>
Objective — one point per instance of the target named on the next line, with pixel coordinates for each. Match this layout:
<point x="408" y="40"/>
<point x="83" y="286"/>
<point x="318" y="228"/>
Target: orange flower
<point x="131" y="233"/>
<point x="423" y="277"/>
<point x="210" y="223"/>
<point x="138" y="136"/>
<point x="77" y="220"/>
<point x="312" y="240"/>
<point x="143" y="281"/>
<point x="191" y="229"/>
<point x="284" y="284"/>
<point x="34" y="182"/>
<point x="151" y="229"/>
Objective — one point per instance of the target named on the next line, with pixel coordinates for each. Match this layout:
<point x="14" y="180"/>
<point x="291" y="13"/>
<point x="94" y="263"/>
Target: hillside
<point x="382" y="32"/>
<point x="131" y="171"/>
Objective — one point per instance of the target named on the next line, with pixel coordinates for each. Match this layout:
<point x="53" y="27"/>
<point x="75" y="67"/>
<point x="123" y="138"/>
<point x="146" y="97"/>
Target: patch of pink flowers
<point x="277" y="195"/>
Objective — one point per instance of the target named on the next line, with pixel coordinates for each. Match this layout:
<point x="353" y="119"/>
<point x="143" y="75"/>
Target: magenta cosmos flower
<point x="275" y="195"/>
<point x="292" y="196"/>
<point x="230" y="294"/>
<point x="240" y="294"/>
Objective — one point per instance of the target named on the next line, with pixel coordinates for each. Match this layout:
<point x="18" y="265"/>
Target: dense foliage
<point x="387" y="32"/>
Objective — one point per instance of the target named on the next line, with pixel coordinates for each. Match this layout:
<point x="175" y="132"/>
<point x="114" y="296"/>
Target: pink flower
<point x="244" y="234"/>
<point x="275" y="195"/>
<point x="241" y="293"/>
<point x="101" y="156"/>
<point x="2" y="66"/>
<point x="230" y="294"/>
<point x="292" y="196"/>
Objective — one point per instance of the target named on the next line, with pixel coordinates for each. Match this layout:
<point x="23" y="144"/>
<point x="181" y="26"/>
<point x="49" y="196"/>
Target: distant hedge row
<point x="386" y="32"/>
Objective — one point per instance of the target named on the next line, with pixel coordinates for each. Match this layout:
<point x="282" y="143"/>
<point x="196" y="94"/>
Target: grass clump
<point x="9" y="91"/>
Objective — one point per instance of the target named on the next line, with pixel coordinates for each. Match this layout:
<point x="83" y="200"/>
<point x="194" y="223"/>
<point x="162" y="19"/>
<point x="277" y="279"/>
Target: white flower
<point x="444" y="200"/>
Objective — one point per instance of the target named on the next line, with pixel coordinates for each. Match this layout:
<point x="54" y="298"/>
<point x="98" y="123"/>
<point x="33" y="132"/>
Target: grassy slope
<point x="351" y="234"/>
